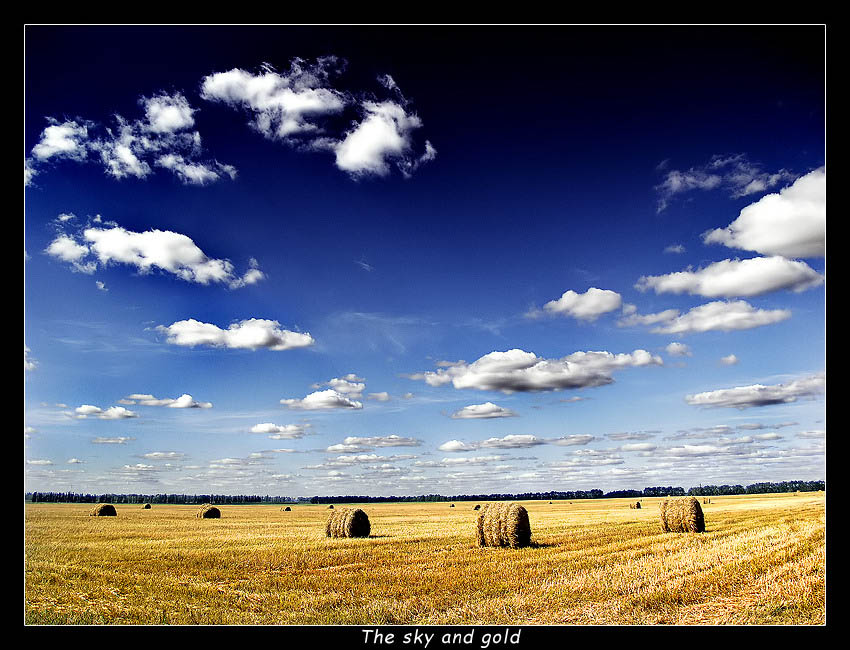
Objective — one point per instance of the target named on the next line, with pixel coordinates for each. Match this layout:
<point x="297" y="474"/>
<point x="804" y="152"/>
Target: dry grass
<point x="760" y="561"/>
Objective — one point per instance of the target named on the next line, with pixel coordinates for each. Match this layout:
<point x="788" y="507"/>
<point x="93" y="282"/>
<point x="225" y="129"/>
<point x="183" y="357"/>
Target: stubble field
<point x="762" y="560"/>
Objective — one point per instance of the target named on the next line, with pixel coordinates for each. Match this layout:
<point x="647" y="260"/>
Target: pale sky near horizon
<point x="408" y="260"/>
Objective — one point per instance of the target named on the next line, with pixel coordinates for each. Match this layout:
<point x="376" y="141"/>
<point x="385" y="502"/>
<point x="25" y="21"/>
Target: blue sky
<point x="399" y="260"/>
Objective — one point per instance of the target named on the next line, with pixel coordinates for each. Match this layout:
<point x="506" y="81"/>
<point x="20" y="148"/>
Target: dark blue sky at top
<point x="549" y="142"/>
<point x="541" y="132"/>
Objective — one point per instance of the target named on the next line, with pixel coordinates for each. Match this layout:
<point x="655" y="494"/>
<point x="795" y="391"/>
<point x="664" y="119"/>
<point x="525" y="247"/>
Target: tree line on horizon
<point x="226" y="499"/>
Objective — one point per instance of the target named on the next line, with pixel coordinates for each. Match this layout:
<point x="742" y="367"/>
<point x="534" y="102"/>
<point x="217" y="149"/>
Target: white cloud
<point x="112" y="413"/>
<point x="570" y="441"/>
<point x="163" y="455"/>
<point x="66" y="140"/>
<point x="382" y="136"/>
<point x="520" y="371"/>
<point x="65" y="249"/>
<point x="721" y="316"/>
<point x="514" y="441"/>
<point x="791" y="223"/>
<point x="585" y="306"/>
<point x="185" y="401"/>
<point x="743" y="397"/>
<point x="39" y="462"/>
<point x="382" y="441"/>
<point x="193" y="173"/>
<point x="167" y="113"/>
<point x="165" y="250"/>
<point x="350" y="385"/>
<point x="729" y="360"/>
<point x="284" y="105"/>
<point x="735" y="278"/>
<point x="29" y="363"/>
<point x="734" y="174"/>
<point x="639" y="446"/>
<point x="482" y="411"/>
<point x="131" y="148"/>
<point x="322" y="400"/>
<point x="677" y="349"/>
<point x="300" y="107"/>
<point x="280" y="431"/>
<point x="118" y="440"/>
<point x="383" y="396"/>
<point x="250" y="334"/>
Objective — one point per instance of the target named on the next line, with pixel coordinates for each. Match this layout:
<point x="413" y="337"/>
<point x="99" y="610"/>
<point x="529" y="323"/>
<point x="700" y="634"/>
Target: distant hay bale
<point x="348" y="522"/>
<point x="477" y="506"/>
<point x="147" y="506"/>
<point x="503" y="524"/>
<point x="330" y="507"/>
<point x="104" y="510"/>
<point x="452" y="505"/>
<point x="682" y="516"/>
<point x="208" y="512"/>
<point x="637" y="506"/>
<point x="287" y="509"/>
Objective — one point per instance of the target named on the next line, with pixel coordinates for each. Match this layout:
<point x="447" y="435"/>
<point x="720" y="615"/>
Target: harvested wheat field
<point x="761" y="560"/>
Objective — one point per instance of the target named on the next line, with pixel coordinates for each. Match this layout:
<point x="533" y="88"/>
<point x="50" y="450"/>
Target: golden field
<point x="761" y="561"/>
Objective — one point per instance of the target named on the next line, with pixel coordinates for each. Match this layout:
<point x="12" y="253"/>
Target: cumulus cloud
<point x="131" y="148"/>
<point x="677" y="349"/>
<point x="734" y="174"/>
<point x="520" y="371"/>
<point x="721" y="316"/>
<point x="743" y="397"/>
<point x="383" y="136"/>
<point x="163" y="250"/>
<point x="65" y="140"/>
<point x="729" y="360"/>
<point x="250" y="334"/>
<point x="29" y="363"/>
<point x="112" y="413"/>
<point x="513" y="441"/>
<point x="281" y="431"/>
<point x="587" y="306"/>
<point x="482" y="411"/>
<point x="163" y="455"/>
<point x="322" y="400"/>
<point x="350" y="385"/>
<point x="185" y="401"/>
<point x="736" y="278"/>
<point x="791" y="223"/>
<point x="382" y="441"/>
<point x="302" y="108"/>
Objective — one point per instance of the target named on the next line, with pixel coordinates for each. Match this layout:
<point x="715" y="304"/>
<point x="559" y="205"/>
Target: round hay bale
<point x="330" y="507"/>
<point x="452" y="505"/>
<point x="147" y="506"/>
<point x="348" y="522"/>
<point x="682" y="515"/>
<point x="477" y="506"/>
<point x="287" y="509"/>
<point x="104" y="510"/>
<point x="637" y="506"/>
<point x="208" y="512"/>
<point x="503" y="524"/>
